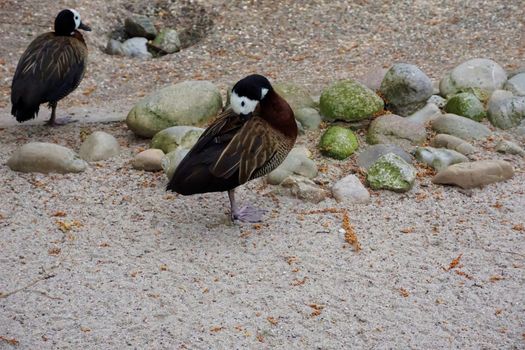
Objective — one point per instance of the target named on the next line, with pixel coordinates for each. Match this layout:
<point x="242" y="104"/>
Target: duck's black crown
<point x="252" y="87"/>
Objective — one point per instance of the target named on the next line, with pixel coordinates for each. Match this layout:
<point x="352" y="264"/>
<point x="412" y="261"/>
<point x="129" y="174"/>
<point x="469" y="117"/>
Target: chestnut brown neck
<point x="76" y="34"/>
<point x="276" y="111"/>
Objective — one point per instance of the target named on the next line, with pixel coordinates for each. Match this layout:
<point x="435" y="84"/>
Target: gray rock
<point x="391" y="172"/>
<point x="439" y="158"/>
<point x="186" y="103"/>
<point x="406" y="88"/>
<point x="372" y="78"/>
<point x="437" y="100"/>
<point x="508" y="147"/>
<point x="350" y="190"/>
<point x="42" y="157"/>
<point x="475" y="174"/>
<point x="304" y="189"/>
<point x="349" y="100"/>
<point x="99" y="146"/>
<point x="171" y="161"/>
<point x="296" y="163"/>
<point x="136" y="47"/>
<point x="516" y="84"/>
<point x="140" y="26"/>
<point x="149" y="160"/>
<point x="425" y="114"/>
<point x="453" y="143"/>
<point x="461" y="127"/>
<point x="167" y="41"/>
<point x="296" y="96"/>
<point x="169" y="139"/>
<point x="396" y="130"/>
<point x="309" y="118"/>
<point x="506" y="113"/>
<point x="479" y="76"/>
<point x="114" y="47"/>
<point x="367" y="158"/>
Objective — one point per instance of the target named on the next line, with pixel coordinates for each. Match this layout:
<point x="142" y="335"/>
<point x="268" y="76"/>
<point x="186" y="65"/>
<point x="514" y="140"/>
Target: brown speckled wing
<point x="251" y="149"/>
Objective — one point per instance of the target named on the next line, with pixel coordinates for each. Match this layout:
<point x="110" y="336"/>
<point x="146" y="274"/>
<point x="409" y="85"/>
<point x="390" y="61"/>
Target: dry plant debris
<point x="404" y="293"/>
<point x="454" y="263"/>
<point x="316" y="309"/>
<point x="10" y="341"/>
<point x="272" y="320"/>
<point x="350" y="236"/>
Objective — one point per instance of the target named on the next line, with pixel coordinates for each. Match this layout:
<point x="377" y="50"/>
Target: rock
<point x="140" y="26"/>
<point x="42" y="157"/>
<point x="508" y="147"/>
<point x="296" y="96"/>
<point x="171" y="161"/>
<point x="167" y="41"/>
<point x="466" y="105"/>
<point x="99" y="146"/>
<point x="480" y="76"/>
<point x="114" y="47"/>
<point x="396" y="130"/>
<point x="186" y="103"/>
<point x="350" y="190"/>
<point x="169" y="139"/>
<point x="367" y="158"/>
<point x="338" y="142"/>
<point x="437" y="100"/>
<point x="475" y="174"/>
<point x="453" y="143"/>
<point x="516" y="84"/>
<point x="406" y="88"/>
<point x="425" y="114"/>
<point x="349" y="100"/>
<point x="304" y="189"/>
<point x="135" y="47"/>
<point x="372" y="78"/>
<point x="149" y="160"/>
<point x="506" y="113"/>
<point x="464" y="128"/>
<point x="309" y="118"/>
<point x="297" y="162"/>
<point x="391" y="172"/>
<point x="439" y="158"/>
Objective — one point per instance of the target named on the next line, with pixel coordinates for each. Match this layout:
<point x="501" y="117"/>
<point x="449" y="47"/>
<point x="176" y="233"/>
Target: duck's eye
<point x="76" y="17"/>
<point x="242" y="104"/>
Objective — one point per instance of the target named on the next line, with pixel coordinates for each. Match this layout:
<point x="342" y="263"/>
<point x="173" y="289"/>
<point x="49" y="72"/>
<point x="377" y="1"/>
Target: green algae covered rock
<point x="391" y="172"/>
<point x="338" y="142"/>
<point x="349" y="100"/>
<point x="466" y="105"/>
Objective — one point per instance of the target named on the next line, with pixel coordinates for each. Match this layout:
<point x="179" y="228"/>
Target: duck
<point x="249" y="139"/>
<point x="51" y="67"/>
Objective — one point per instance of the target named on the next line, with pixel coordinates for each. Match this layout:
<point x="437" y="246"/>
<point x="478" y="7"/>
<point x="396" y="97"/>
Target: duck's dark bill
<point x="84" y="27"/>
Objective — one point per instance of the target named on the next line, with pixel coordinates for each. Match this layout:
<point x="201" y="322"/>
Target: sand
<point x="106" y="259"/>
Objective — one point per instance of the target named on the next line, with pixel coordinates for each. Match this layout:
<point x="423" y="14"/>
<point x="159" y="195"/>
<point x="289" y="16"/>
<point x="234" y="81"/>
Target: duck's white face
<point x="76" y="17"/>
<point x="243" y="105"/>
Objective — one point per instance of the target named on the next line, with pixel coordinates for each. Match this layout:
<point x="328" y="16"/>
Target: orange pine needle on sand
<point x="350" y="236"/>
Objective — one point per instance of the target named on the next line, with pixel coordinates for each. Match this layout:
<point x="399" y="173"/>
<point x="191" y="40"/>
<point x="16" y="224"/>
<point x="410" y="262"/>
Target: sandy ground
<point x="107" y="259"/>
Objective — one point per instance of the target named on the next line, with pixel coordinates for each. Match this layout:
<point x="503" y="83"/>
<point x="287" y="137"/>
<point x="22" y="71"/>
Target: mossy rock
<point x="391" y="172"/>
<point x="338" y="142"/>
<point x="466" y="105"/>
<point x="169" y="139"/>
<point x="349" y="100"/>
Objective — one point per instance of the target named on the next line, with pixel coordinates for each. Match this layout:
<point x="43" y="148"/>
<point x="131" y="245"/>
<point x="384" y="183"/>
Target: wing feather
<point x="249" y="150"/>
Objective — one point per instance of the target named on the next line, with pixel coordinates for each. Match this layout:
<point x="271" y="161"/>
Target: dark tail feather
<point x="23" y="112"/>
